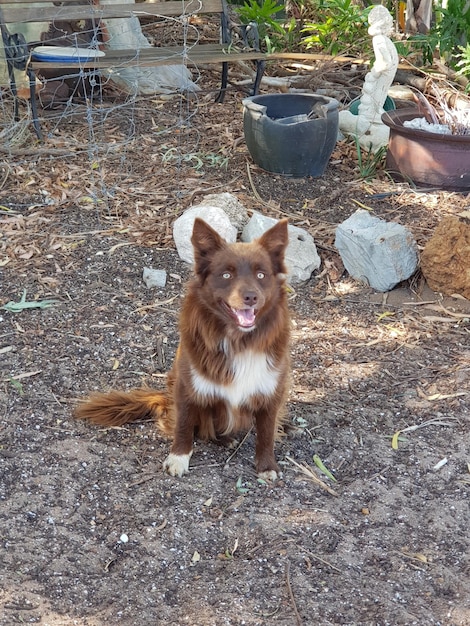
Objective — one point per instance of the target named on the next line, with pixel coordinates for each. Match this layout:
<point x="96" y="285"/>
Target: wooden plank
<point x="147" y="57"/>
<point x="197" y="55"/>
<point x="190" y="55"/>
<point x="97" y="12"/>
<point x="44" y="1"/>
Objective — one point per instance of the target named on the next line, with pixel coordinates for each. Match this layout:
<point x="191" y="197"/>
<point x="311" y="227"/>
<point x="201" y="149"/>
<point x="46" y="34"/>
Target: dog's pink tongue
<point x="246" y="317"/>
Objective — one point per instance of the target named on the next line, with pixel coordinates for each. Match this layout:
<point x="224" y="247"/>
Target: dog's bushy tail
<point x="116" y="408"/>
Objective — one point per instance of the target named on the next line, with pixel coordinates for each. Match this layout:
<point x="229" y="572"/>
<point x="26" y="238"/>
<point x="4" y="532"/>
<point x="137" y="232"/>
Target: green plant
<point x="242" y="487"/>
<point x="463" y="63"/>
<point x="368" y="161"/>
<point x="286" y="39"/>
<point x="17" y="385"/>
<point x="16" y="307"/>
<point x="448" y="36"/>
<point x="274" y="33"/>
<point x="452" y="26"/>
<point x="420" y="44"/>
<point x="343" y="28"/>
<point x="262" y="13"/>
<point x="197" y="160"/>
<point x="290" y="37"/>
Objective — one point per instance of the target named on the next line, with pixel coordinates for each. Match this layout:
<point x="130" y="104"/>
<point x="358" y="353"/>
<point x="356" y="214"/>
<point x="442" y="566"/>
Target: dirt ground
<point x="93" y="533"/>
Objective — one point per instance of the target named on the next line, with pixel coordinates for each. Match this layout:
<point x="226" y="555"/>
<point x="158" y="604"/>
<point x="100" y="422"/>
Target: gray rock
<point x="234" y="209"/>
<point x="154" y="278"/>
<point x="183" y="228"/>
<point x="377" y="252"/>
<point x="301" y="254"/>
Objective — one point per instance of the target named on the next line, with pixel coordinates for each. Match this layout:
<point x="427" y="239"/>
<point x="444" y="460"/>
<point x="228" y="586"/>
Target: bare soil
<point x="93" y="533"/>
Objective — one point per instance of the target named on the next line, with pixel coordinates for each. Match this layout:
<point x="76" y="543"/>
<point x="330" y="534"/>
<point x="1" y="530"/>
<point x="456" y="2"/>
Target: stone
<point x="445" y="260"/>
<point x="301" y="255"/>
<point x="154" y="278"/>
<point x="183" y="228"/>
<point x="377" y="252"/>
<point x="236" y="212"/>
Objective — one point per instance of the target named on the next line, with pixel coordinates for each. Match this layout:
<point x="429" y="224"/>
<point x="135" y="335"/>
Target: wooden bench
<point x="93" y="13"/>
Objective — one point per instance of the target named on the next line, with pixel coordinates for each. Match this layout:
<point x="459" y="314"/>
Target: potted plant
<point x="430" y="145"/>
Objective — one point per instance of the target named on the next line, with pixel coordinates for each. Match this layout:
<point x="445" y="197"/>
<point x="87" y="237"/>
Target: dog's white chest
<point x="253" y="374"/>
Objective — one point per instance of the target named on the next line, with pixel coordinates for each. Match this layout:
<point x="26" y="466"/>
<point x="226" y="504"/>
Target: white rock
<point x="301" y="255"/>
<point x="154" y="278"/>
<point x="234" y="209"/>
<point x="183" y="228"/>
<point x="421" y="123"/>
<point x="377" y="252"/>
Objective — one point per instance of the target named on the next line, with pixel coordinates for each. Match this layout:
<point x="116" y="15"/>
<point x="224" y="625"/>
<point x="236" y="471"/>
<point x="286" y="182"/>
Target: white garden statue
<point x="367" y="125"/>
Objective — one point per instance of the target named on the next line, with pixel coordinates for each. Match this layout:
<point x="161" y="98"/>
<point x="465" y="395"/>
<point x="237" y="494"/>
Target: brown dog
<point x="232" y="363"/>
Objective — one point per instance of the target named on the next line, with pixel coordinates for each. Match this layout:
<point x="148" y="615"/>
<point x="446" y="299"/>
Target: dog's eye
<point x="260" y="275"/>
<point x="227" y="275"/>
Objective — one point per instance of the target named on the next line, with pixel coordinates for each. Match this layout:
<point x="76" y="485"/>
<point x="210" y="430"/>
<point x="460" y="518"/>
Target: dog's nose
<point x="250" y="298"/>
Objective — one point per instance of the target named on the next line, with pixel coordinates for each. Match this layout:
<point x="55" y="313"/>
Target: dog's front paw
<point x="268" y="476"/>
<point x="177" y="464"/>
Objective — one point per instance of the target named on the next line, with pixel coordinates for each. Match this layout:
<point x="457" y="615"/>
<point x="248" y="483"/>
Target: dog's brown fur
<point x="232" y="363"/>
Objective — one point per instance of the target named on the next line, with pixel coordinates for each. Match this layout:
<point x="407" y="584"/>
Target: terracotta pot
<point x="284" y="137"/>
<point x="427" y="159"/>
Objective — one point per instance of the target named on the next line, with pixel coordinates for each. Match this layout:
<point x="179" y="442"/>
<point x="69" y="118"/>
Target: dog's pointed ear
<point x="206" y="241"/>
<point x="275" y="241"/>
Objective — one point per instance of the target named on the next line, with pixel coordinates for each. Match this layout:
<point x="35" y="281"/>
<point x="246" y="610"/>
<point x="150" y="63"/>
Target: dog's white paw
<point x="177" y="464"/>
<point x="232" y="444"/>
<point x="269" y="476"/>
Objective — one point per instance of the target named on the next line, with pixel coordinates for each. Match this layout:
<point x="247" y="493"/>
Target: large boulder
<point x="445" y="260"/>
<point x="377" y="252"/>
<point x="236" y="212"/>
<point x="301" y="255"/>
<point x="183" y="228"/>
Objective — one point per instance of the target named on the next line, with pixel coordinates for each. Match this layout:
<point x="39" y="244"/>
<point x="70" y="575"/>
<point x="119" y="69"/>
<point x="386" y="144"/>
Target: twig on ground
<point x="269" y="204"/>
<point x="298" y="618"/>
<point x="310" y="474"/>
<point x="142" y="480"/>
<point x="7" y="171"/>
<point x="432" y="422"/>
<point x="238" y="447"/>
<point x="318" y="558"/>
<point x="157" y="305"/>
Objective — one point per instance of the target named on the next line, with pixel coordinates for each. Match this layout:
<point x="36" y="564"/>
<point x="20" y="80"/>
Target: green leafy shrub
<point x="419" y="45"/>
<point x="341" y="28"/>
<point x="447" y="37"/>
<point x="463" y="62"/>
<point x="263" y="14"/>
<point x="452" y="26"/>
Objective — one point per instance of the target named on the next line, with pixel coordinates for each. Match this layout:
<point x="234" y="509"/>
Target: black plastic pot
<point x="427" y="159"/>
<point x="291" y="134"/>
